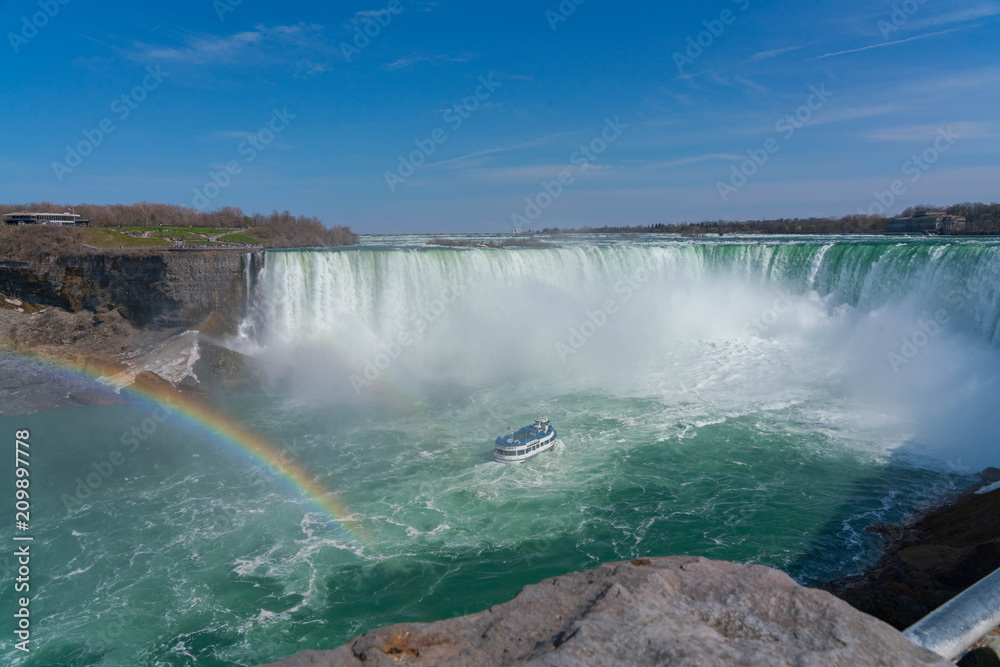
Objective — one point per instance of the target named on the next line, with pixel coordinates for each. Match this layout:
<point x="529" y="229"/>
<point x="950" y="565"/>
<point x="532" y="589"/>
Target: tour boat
<point x="525" y="443"/>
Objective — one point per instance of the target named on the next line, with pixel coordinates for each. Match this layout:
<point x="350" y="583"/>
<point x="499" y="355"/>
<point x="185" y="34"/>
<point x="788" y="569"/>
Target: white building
<point x="25" y="218"/>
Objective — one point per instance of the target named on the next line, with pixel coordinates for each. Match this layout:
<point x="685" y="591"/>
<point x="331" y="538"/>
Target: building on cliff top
<point x="25" y="218"/>
<point x="926" y="221"/>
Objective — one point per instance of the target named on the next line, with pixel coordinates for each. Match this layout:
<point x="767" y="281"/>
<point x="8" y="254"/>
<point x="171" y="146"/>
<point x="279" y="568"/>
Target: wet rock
<point x="149" y="382"/>
<point x="654" y="611"/>
<point x="990" y="475"/>
<point x="221" y="370"/>
<point x="96" y="397"/>
<point x="934" y="557"/>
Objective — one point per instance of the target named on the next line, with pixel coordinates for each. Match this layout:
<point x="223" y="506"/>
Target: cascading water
<point x="593" y="312"/>
<point x="742" y="399"/>
<point x="311" y="293"/>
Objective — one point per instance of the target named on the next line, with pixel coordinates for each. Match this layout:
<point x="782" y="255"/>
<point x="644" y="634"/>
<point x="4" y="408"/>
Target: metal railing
<point x="953" y="628"/>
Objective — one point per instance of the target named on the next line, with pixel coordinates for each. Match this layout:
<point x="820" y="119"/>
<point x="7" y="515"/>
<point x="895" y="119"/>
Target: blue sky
<point x="666" y="122"/>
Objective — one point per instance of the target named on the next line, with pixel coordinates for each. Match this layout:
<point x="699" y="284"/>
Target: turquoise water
<point x="691" y="422"/>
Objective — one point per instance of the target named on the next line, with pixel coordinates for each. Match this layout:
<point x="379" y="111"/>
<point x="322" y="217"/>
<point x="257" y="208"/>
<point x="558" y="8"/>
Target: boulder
<point x="148" y="381"/>
<point x="223" y="371"/>
<point x="650" y="611"/>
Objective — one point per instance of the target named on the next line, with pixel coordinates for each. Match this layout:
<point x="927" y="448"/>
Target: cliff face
<point x="160" y="290"/>
<point x="651" y="611"/>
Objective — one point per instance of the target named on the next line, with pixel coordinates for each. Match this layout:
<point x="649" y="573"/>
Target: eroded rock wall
<point x="167" y="289"/>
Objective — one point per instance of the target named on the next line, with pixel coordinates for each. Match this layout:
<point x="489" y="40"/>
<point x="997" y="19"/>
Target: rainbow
<point x="198" y="416"/>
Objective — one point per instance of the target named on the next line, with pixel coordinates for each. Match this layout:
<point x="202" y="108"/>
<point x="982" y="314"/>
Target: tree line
<point x="276" y="230"/>
<point x="980" y="219"/>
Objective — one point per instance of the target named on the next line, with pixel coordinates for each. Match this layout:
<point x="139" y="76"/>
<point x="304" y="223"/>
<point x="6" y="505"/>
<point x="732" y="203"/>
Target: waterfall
<point x="308" y="294"/>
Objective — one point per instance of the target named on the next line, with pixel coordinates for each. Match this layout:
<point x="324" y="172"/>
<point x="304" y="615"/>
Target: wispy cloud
<point x="884" y="44"/>
<point x="230" y="135"/>
<point x="534" y="173"/>
<point x="203" y="50"/>
<point x="693" y="160"/>
<point x="409" y="61"/>
<point x="853" y="113"/>
<point x="368" y="16"/>
<point x="961" y="16"/>
<point x="752" y="86"/>
<point x="974" y="81"/>
<point x="774" y="53"/>
<point x="283" y="43"/>
<point x="478" y="155"/>
<point x="721" y="79"/>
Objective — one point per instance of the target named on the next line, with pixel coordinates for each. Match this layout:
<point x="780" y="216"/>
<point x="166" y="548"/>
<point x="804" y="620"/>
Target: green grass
<point x="103" y="238"/>
<point x="163" y="230"/>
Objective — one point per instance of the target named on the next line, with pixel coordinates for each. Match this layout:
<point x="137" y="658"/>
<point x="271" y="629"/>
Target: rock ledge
<point x="650" y="611"/>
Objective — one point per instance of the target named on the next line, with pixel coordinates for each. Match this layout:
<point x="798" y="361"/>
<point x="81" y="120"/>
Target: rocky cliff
<point x="138" y="312"/>
<point x="932" y="558"/>
<point x="650" y="611"/>
<point x="150" y="289"/>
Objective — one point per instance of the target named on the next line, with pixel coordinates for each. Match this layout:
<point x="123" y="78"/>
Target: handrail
<point x="951" y="629"/>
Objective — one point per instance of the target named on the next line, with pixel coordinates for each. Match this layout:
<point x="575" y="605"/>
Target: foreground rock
<point x="934" y="557"/>
<point x="660" y="611"/>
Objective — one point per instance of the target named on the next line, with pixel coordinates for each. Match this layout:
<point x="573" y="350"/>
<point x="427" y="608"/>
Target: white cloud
<point x="462" y="160"/>
<point x="884" y="44"/>
<point x="961" y="16"/>
<point x="983" y="79"/>
<point x="852" y="113"/>
<point x="773" y="53"/>
<point x="409" y="61"/>
<point x="535" y="173"/>
<point x="752" y="86"/>
<point x="694" y="160"/>
<point x="283" y="43"/>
